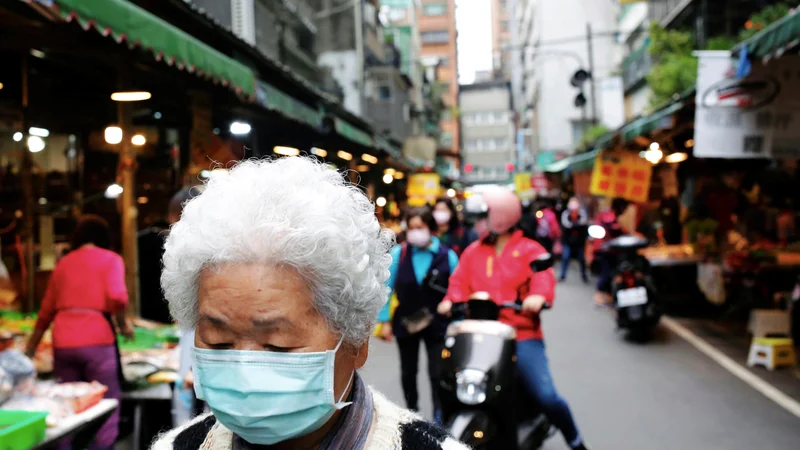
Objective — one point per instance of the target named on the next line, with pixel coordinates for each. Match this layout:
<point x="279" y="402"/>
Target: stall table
<point x="87" y="422"/>
<point x="157" y="392"/>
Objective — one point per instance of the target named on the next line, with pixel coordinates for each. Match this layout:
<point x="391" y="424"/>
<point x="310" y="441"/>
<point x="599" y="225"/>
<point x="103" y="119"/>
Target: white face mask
<point x="419" y="238"/>
<point x="442" y="217"/>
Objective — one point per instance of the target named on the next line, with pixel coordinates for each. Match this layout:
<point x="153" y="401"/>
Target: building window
<point x="435" y="37"/>
<point x="397" y="14"/>
<point x="504" y="25"/>
<point x="434" y="9"/>
<point x="447" y="115"/>
<point x="444" y="61"/>
<point x="384" y="92"/>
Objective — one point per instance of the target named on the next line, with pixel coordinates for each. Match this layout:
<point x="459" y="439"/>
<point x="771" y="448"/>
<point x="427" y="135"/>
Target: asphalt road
<point x="664" y="395"/>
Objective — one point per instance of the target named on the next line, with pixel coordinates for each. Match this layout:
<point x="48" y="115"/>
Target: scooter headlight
<point x="597" y="232"/>
<point x="471" y="386"/>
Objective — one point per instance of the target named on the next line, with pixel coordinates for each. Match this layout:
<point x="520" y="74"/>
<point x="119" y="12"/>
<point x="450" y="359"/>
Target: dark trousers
<point x="535" y="372"/>
<point x="94" y="363"/>
<point x="409" y="364"/>
<point x="606" y="262"/>
<point x="573" y="252"/>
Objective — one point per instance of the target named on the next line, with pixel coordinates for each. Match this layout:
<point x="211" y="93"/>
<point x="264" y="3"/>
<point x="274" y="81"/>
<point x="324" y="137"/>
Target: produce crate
<point x="21" y="430"/>
<point x="144" y="339"/>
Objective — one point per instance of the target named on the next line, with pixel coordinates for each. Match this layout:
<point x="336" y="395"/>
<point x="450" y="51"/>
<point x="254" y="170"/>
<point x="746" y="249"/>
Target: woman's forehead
<point x="253" y="292"/>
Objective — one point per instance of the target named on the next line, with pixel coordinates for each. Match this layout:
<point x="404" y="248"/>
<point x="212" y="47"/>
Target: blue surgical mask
<point x="268" y="397"/>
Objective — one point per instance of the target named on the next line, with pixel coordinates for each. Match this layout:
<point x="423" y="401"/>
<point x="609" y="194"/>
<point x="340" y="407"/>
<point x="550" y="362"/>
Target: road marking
<point x="757" y="383"/>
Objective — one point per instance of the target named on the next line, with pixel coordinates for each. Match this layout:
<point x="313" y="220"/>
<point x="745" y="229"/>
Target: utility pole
<point x="358" y="14"/>
<point x="592" y="75"/>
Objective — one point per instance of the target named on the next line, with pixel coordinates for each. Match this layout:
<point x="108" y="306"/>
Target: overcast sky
<point x="473" y="18"/>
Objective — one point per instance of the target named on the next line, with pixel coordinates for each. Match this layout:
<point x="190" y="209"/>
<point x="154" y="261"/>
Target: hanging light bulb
<point x="113" y="135"/>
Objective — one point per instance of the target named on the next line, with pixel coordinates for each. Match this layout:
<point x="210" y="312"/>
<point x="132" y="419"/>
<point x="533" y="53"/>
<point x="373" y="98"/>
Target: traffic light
<point x="580" y="77"/>
<point x="509" y="167"/>
<point x="468" y="168"/>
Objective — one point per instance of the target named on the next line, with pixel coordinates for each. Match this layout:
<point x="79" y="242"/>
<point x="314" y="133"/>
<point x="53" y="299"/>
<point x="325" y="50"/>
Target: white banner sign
<point x="754" y="117"/>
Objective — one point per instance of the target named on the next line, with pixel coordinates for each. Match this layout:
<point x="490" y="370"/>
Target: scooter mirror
<point x="542" y="263"/>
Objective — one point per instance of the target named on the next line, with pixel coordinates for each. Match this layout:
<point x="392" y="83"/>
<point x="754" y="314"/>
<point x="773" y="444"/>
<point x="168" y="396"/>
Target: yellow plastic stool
<point x="771" y="353"/>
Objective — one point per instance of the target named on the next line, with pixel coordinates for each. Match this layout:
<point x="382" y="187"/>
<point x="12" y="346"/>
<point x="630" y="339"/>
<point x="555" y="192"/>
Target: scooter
<point x="633" y="291"/>
<point x="484" y="403"/>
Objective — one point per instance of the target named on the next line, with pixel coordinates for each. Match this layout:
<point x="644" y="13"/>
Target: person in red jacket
<point x="498" y="264"/>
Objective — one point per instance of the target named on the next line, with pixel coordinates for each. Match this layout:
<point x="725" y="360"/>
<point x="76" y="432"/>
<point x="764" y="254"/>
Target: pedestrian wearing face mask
<point x="450" y="230"/>
<point x="282" y="309"/>
<point x="576" y="225"/>
<point x="419" y="274"/>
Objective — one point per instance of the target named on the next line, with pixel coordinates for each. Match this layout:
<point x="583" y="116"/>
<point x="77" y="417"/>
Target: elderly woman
<point x="280" y="268"/>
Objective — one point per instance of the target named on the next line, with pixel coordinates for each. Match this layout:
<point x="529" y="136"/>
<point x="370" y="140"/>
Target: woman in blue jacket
<point x="419" y="274"/>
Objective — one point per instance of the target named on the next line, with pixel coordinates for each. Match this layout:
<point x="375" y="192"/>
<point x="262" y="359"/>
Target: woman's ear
<point x="361" y="357"/>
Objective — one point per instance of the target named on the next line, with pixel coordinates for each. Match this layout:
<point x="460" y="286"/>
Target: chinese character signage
<point x="522" y="182"/>
<point x="423" y="188"/>
<point x="621" y="174"/>
<point x="752" y="117"/>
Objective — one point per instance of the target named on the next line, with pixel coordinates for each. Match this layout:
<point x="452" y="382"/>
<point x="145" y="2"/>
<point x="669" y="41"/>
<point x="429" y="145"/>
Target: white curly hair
<point x="293" y="212"/>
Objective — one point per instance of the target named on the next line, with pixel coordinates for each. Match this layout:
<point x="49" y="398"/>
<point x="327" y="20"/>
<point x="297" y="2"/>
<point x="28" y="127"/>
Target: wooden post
<point x="26" y="175"/>
<point x="129" y="210"/>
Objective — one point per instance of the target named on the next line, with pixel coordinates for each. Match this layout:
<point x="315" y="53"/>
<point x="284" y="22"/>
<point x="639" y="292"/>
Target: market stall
<point x="47" y="411"/>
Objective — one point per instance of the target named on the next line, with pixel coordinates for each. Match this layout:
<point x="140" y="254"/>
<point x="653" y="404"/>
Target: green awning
<point x="576" y="163"/>
<point x="126" y="22"/>
<point x="381" y="143"/>
<point x="354" y="134"/>
<point x="775" y="39"/>
<point x="274" y="99"/>
<point x="656" y="121"/>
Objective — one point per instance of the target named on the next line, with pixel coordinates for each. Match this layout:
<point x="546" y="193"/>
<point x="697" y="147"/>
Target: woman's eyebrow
<point x="277" y="322"/>
<point x="213" y="320"/>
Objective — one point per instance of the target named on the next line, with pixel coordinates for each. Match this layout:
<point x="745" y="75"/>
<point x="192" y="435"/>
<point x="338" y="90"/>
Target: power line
<point x="577" y="38"/>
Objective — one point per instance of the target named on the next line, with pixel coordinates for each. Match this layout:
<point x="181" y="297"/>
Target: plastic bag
<point x="711" y="282"/>
<point x="19" y="366"/>
<point x="6" y="386"/>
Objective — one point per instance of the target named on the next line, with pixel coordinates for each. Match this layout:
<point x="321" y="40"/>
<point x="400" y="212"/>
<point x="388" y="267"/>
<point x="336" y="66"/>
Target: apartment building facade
<point x="488" y="132"/>
<point x="501" y="39"/>
<point x="437" y="28"/>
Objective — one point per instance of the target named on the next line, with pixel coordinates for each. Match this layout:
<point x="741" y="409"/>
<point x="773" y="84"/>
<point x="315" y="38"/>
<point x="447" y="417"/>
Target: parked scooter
<point x="484" y="403"/>
<point x="633" y="291"/>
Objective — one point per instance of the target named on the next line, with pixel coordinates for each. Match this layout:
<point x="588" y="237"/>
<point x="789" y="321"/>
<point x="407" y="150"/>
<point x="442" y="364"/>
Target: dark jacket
<point x="576" y="229"/>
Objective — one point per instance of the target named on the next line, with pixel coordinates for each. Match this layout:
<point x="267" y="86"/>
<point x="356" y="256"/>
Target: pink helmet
<point x="505" y="209"/>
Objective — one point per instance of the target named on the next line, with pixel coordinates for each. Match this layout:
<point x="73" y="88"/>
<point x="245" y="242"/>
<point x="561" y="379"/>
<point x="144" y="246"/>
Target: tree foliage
<point x="674" y="68"/>
<point x="594" y="133"/>
<point x="763" y="19"/>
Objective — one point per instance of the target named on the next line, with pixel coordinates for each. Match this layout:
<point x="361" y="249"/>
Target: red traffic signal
<point x="510" y="167"/>
<point x="468" y="168"/>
